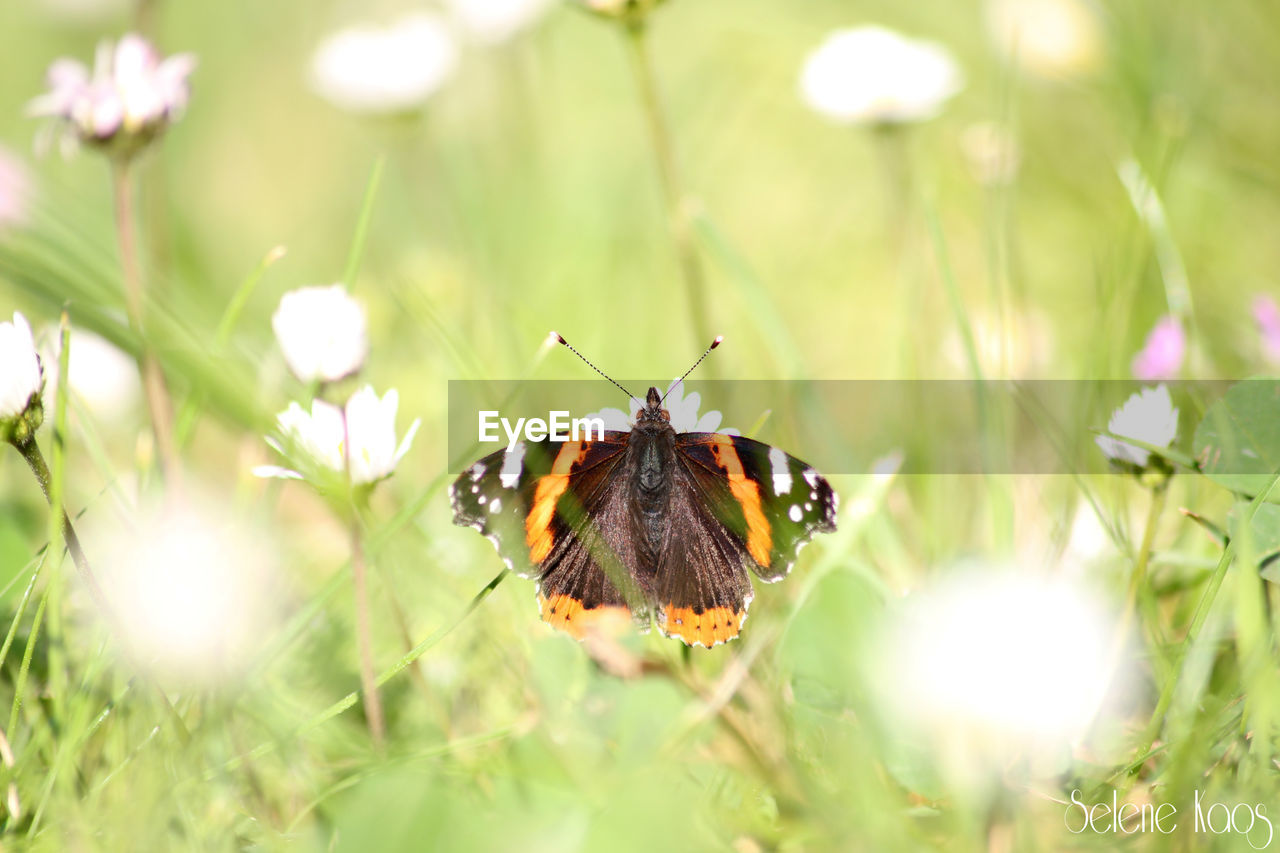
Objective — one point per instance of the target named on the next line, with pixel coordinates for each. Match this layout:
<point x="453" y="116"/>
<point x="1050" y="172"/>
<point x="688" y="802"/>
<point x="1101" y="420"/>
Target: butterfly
<point x="646" y="524"/>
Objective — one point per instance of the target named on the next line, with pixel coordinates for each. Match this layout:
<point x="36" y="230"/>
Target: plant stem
<point x="678" y="214"/>
<point x="153" y="381"/>
<point x="360" y="576"/>
<point x="20" y="686"/>
<point x="1136" y="581"/>
<point x="1139" y="575"/>
<point x="349" y="701"/>
<point x="35" y="460"/>
<point x="368" y="682"/>
<point x="1201" y="615"/>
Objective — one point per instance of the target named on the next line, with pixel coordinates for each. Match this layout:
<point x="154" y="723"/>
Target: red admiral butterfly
<point x="646" y="522"/>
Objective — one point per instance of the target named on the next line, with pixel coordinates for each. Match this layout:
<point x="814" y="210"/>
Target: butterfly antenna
<point x="714" y="344"/>
<point x="561" y="339"/>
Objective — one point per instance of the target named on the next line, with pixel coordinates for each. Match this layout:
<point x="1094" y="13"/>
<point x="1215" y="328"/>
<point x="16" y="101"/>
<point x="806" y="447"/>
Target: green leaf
<point x="1264" y="529"/>
<point x="1238" y="441"/>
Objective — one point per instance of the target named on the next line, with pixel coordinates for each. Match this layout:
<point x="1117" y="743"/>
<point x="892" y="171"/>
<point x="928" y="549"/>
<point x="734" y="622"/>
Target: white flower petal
<point x="1148" y="416"/>
<point x="20" y="374"/>
<point x="371" y="430"/>
<point x="614" y="419"/>
<point x="267" y="471"/>
<point x="708" y="422"/>
<point x="407" y="441"/>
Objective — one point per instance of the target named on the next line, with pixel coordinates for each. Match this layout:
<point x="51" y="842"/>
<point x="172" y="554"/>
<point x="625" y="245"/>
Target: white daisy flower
<point x="21" y="379"/>
<point x="322" y="332"/>
<point x="872" y="75"/>
<point x="377" y="70"/>
<point x="129" y="97"/>
<point x="1148" y="416"/>
<point x="321" y="437"/>
<point x="682" y="408"/>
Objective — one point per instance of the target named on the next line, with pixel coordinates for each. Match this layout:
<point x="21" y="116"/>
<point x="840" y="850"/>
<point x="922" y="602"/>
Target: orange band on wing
<point x="566" y="613"/>
<point x="759" y="532"/>
<point x="537" y="525"/>
<point x="711" y="626"/>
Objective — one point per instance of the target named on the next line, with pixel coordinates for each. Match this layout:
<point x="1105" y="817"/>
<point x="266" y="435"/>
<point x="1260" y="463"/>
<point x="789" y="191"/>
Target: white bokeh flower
<point x="872" y="75"/>
<point x="85" y="12"/>
<point x="102" y="375"/>
<point x="992" y="153"/>
<point x="1020" y="344"/>
<point x="321" y="437"/>
<point x="1050" y="38"/>
<point x="15" y="190"/>
<point x="384" y="70"/>
<point x="129" y="97"/>
<point x="192" y="587"/>
<point x="1148" y="416"/>
<point x="989" y="664"/>
<point x="682" y="408"/>
<point x="634" y="9"/>
<point x="322" y="333"/>
<point x="496" y="21"/>
<point x="21" y="379"/>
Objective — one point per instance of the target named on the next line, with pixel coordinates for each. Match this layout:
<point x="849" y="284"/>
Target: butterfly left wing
<point x="771" y="501"/>
<point x="548" y="510"/>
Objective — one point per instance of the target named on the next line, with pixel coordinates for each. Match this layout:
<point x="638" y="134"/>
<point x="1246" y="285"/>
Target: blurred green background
<point x="524" y="197"/>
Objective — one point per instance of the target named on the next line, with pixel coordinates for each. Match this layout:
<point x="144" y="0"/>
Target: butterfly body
<point x="646" y="523"/>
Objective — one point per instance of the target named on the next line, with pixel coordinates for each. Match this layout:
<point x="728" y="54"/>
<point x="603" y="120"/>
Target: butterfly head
<point x="652" y="410"/>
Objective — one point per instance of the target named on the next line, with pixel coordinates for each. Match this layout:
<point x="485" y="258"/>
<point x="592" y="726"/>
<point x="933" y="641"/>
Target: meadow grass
<point x="527" y="196"/>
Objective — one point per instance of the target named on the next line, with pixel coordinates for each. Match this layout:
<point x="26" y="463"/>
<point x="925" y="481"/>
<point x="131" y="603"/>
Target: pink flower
<point x="1162" y="354"/>
<point x="15" y="190"/>
<point x="129" y="97"/>
<point x="1267" y="315"/>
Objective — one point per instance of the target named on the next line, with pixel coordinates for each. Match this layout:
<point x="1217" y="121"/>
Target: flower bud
<point x="321" y="331"/>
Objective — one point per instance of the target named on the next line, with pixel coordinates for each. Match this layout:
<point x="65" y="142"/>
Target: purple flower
<point x="129" y="97"/>
<point x="1162" y="354"/>
<point x="1267" y="315"/>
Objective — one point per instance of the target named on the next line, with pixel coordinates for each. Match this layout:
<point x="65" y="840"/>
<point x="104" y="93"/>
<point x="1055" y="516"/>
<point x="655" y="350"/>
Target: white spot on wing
<point x="481" y="500"/>
<point x="811" y="477"/>
<point x="477" y="471"/>
<point x="781" y="474"/>
<point x="795" y="513"/>
<point x="512" y="465"/>
<point x="496" y="506"/>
